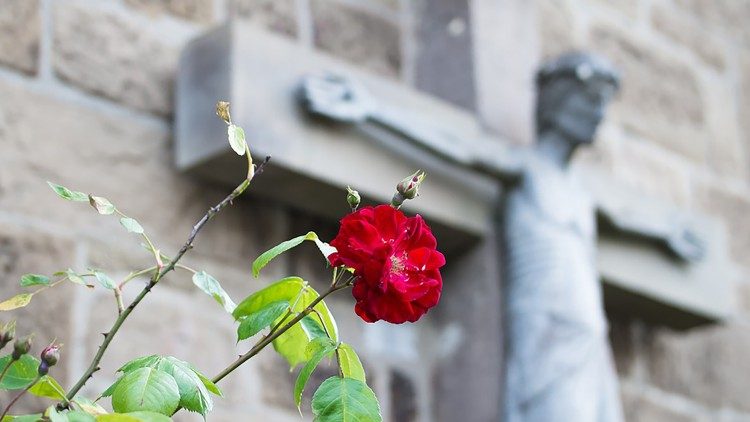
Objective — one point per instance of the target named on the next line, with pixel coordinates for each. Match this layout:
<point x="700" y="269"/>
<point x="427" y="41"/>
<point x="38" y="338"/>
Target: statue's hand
<point x="337" y="98"/>
<point x="686" y="244"/>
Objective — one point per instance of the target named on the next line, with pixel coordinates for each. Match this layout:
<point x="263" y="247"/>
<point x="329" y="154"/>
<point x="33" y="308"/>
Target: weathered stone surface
<point x="21" y="30"/>
<point x="111" y="55"/>
<point x="707" y="364"/>
<point x="689" y="33"/>
<point x="403" y="398"/>
<point x="733" y="210"/>
<point x="727" y="16"/>
<point x="744" y="103"/>
<point x="660" y="97"/>
<point x="627" y="8"/>
<point x="23" y="251"/>
<point x="276" y="15"/>
<point x="556" y="27"/>
<point x="195" y="10"/>
<point x="444" y="59"/>
<point x="641" y="407"/>
<point x="646" y="169"/>
<point x="278" y="381"/>
<point x="358" y="36"/>
<point x="623" y="345"/>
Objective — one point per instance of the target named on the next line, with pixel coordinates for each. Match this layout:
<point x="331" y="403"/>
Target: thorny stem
<point x="118" y="298"/>
<point x="158" y="275"/>
<point x="15" y="399"/>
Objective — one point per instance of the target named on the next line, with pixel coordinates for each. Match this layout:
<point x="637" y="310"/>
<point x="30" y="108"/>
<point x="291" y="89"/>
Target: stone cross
<point x="558" y="362"/>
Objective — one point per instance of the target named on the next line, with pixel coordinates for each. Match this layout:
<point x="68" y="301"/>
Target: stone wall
<point x="86" y="100"/>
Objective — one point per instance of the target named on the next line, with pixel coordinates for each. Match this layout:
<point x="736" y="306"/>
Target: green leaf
<point x="277" y="250"/>
<point x="34" y="280"/>
<point x="312" y="328"/>
<point x="146" y="389"/>
<point x="134" y="417"/>
<point x="285" y="289"/>
<point x="345" y="400"/>
<point x="292" y="344"/>
<point x="131" y="225"/>
<point x="308" y="297"/>
<point x="20" y="374"/>
<point x="141" y="362"/>
<point x="79" y="416"/>
<point x="253" y="323"/>
<point x="17" y="301"/>
<point x="23" y="418"/>
<point x="212" y="287"/>
<point x="210" y="386"/>
<point x="236" y="139"/>
<point x="76" y="278"/>
<point x="54" y="416"/>
<point x="89" y="406"/>
<point x="321" y="347"/>
<point x="101" y="205"/>
<point x="48" y="387"/>
<point x="193" y="393"/>
<point x="104" y="280"/>
<point x="68" y="194"/>
<point x="350" y="364"/>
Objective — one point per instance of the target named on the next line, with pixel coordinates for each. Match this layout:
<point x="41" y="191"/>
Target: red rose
<point x="395" y="263"/>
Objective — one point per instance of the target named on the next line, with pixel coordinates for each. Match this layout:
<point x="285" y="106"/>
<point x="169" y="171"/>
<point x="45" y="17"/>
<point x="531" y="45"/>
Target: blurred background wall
<point x="86" y="101"/>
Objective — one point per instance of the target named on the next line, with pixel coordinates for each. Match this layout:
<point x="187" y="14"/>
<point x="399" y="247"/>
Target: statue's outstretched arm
<point x="343" y="100"/>
<point x="671" y="232"/>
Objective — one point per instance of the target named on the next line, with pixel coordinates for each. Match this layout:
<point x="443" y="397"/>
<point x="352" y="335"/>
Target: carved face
<point x="575" y="107"/>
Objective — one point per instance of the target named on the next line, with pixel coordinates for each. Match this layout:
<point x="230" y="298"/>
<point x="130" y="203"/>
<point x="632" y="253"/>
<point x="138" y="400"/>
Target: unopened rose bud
<point x="222" y="110"/>
<point x="50" y="355"/>
<point x="352" y="198"/>
<point x="21" y="347"/>
<point x="409" y="187"/>
<point x="7" y="333"/>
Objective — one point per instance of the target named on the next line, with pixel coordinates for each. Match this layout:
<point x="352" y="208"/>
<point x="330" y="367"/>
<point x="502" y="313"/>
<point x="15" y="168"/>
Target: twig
<point x="108" y="336"/>
<point x="15" y="399"/>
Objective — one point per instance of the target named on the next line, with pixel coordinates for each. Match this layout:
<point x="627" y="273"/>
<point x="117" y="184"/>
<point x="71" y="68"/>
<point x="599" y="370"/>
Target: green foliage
<point x="76" y="278"/>
<point x="192" y="387"/>
<point x="34" y="280"/>
<point x="277" y="250"/>
<point x="17" y="301"/>
<point x="134" y="417"/>
<point x="131" y="225"/>
<point x="104" y="280"/>
<point x="253" y="323"/>
<point x="211" y="286"/>
<point x="20" y="374"/>
<point x="68" y="194"/>
<point x="146" y="389"/>
<point x="78" y="416"/>
<point x="236" y="137"/>
<point x="318" y="349"/>
<point x="101" y="205"/>
<point x="345" y="400"/>
<point x="48" y="387"/>
<point x="88" y="406"/>
<point x="350" y="364"/>
<point x="23" y="418"/>
<point x="312" y="328"/>
<point x="285" y="289"/>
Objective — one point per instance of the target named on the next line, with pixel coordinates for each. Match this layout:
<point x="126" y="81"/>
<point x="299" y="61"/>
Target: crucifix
<point x="558" y="363"/>
<point x="552" y="253"/>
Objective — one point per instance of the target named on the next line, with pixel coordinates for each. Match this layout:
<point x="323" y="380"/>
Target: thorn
<point x="105" y="334"/>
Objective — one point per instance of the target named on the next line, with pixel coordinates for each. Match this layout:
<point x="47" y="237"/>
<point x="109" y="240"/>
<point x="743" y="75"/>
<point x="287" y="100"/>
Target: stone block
<point x="110" y="54"/>
<point x="627" y="8"/>
<point x="744" y="103"/>
<point x="726" y="16"/>
<point x="444" y="55"/>
<point x="733" y="210"/>
<point x="276" y="15"/>
<point x="660" y="98"/>
<point x="677" y="27"/>
<point x="358" y="36"/>
<point x="49" y="315"/>
<point x="642" y="167"/>
<point x="21" y="29"/>
<point x="623" y="345"/>
<point x="640" y="407"/>
<point x="194" y="10"/>
<point x="708" y="365"/>
<point x="556" y="27"/>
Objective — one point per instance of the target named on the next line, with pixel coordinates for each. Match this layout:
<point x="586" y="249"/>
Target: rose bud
<point x="21" y="347"/>
<point x="50" y="355"/>
<point x="7" y="333"/>
<point x="222" y="110"/>
<point x="409" y="187"/>
<point x="352" y="198"/>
